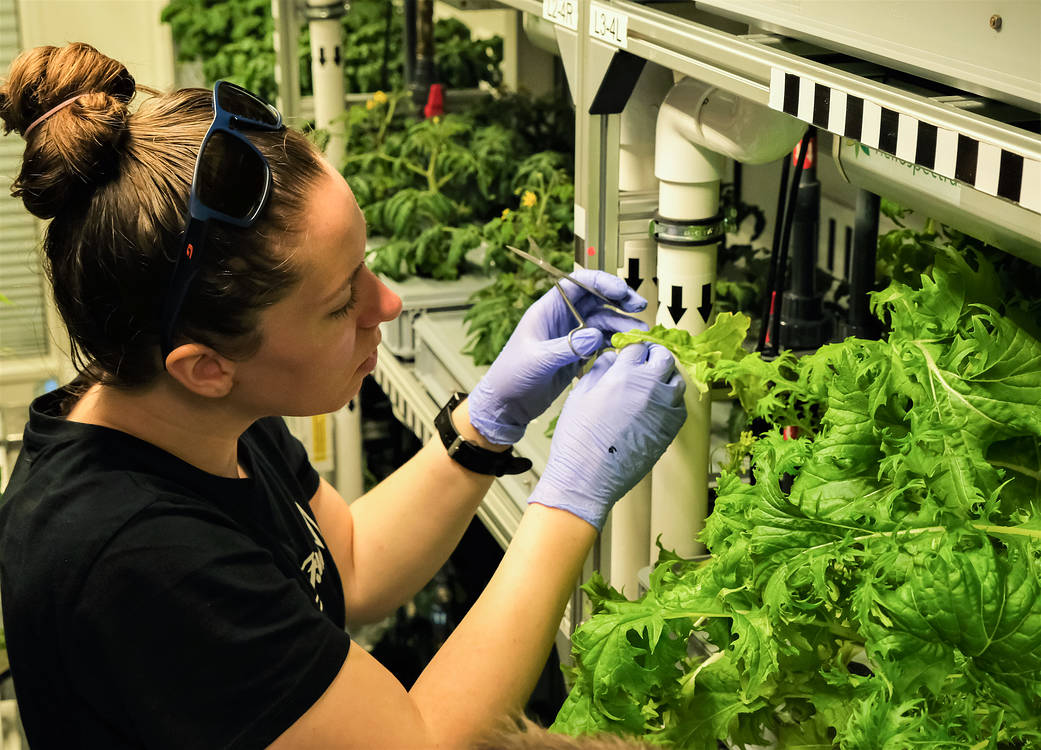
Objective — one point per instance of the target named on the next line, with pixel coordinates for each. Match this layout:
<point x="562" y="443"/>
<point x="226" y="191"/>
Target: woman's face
<point x="319" y="342"/>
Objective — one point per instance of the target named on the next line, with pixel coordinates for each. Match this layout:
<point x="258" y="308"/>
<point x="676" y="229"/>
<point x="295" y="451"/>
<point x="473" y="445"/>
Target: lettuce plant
<point x="878" y="585"/>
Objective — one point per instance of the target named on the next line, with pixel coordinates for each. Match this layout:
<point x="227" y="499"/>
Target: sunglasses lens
<point x="242" y="103"/>
<point x="232" y="177"/>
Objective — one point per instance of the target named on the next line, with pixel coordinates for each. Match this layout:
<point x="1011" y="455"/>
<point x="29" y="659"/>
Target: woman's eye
<point x="344" y="311"/>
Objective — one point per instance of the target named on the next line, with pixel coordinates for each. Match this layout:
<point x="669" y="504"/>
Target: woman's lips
<point x="370" y="364"/>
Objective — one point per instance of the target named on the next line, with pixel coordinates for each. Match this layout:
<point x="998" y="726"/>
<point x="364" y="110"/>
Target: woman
<point x="174" y="572"/>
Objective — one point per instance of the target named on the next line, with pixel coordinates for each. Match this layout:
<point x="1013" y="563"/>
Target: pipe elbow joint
<point x="698" y="125"/>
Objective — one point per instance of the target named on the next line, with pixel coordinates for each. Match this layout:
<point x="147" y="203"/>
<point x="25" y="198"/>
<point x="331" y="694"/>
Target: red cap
<point x="435" y="101"/>
<point x="811" y="154"/>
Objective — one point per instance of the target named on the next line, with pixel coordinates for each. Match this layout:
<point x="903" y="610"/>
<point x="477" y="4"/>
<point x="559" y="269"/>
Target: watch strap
<point x="470" y="455"/>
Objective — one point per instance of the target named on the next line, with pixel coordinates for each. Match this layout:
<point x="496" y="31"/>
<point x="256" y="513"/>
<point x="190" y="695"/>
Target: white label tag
<point x="580" y="221"/>
<point x="608" y="25"/>
<point x="561" y="12"/>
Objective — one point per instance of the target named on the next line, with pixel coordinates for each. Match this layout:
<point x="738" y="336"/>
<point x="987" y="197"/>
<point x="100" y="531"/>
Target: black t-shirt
<point x="148" y="603"/>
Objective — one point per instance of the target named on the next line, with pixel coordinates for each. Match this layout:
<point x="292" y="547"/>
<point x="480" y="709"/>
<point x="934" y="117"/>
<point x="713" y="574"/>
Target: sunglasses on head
<point x="231" y="184"/>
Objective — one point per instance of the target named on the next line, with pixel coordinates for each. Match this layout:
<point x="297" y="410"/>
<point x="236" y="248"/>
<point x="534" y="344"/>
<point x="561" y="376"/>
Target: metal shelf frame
<point x="706" y="49"/>
<point x="747" y="65"/>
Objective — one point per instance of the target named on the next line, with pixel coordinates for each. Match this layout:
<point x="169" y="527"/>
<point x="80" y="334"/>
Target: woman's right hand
<point x="616" y="423"/>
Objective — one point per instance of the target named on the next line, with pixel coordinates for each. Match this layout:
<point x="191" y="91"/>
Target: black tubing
<point x="802" y="274"/>
<point x="771" y="276"/>
<point x="779" y="253"/>
<point x="861" y="272"/>
<point x="789" y="214"/>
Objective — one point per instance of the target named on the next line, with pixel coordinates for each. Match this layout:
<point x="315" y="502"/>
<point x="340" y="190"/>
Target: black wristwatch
<point x="470" y="455"/>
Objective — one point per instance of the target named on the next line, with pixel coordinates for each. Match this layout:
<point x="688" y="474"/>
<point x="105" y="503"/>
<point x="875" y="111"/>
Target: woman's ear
<point x="201" y="370"/>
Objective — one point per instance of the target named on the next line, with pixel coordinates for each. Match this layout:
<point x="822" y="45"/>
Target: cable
<point x="789" y="210"/>
<point x="771" y="276"/>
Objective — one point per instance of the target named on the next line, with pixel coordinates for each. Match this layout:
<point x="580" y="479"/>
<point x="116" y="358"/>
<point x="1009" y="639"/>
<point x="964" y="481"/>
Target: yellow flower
<point x="505" y="213"/>
<point x="529" y="199"/>
<point x="379" y="97"/>
<point x="370" y="104"/>
<point x="436" y="119"/>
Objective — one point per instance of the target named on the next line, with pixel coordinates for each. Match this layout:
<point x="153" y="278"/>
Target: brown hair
<point x="521" y="733"/>
<point x="115" y="185"/>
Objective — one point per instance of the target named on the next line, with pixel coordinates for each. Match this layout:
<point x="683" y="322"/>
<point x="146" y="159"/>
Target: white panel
<point x="906" y="137"/>
<point x="869" y="132"/>
<point x="1030" y="195"/>
<point x="837" y="111"/>
<point x="806" y="89"/>
<point x="776" y="89"/>
<point x="988" y="163"/>
<point x="946" y="152"/>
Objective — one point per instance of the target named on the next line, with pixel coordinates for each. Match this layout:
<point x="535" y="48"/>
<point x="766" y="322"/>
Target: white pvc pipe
<point x="327" y="74"/>
<point x="636" y="123"/>
<point x="630" y="526"/>
<point x="698" y="126"/>
<point x="679" y="488"/>
<point x="629" y="530"/>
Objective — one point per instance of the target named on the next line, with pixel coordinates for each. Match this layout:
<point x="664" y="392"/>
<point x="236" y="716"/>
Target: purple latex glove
<point x="538" y="362"/>
<point x="616" y="423"/>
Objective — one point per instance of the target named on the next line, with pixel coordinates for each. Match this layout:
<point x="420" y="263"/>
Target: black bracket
<point x="618" y="83"/>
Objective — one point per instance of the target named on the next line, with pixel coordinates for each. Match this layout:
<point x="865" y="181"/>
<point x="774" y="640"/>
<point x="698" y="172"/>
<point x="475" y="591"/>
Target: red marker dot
<point x="591" y="251"/>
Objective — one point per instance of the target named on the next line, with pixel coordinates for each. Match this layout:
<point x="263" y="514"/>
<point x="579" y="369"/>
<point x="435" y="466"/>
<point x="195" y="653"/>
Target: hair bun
<point x="76" y="148"/>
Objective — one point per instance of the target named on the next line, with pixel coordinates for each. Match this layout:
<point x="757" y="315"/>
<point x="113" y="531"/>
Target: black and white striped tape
<point x="984" y="166"/>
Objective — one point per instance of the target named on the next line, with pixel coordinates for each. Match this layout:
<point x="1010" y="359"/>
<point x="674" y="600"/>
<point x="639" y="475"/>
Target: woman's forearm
<point x="491" y="662"/>
<point x="405" y="528"/>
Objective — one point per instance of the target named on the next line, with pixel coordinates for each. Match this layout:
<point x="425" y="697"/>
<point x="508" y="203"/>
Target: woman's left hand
<point x="538" y="361"/>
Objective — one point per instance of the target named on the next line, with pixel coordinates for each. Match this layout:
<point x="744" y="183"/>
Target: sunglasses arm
<point x="189" y="261"/>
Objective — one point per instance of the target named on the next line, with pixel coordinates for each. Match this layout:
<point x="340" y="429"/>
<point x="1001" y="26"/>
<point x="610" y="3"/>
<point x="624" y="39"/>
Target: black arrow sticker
<point x="676" y="309"/>
<point x="336" y="55"/>
<point x="321" y="55"/>
<point x="633" y="279"/>
<point x="706" y="302"/>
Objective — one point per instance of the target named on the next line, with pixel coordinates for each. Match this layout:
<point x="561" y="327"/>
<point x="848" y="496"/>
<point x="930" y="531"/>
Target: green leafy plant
<point x="544" y="214"/>
<point x="463" y="60"/>
<point x="233" y="39"/>
<point x="879" y="584"/>
<point x="447" y="170"/>
<point x="742" y="267"/>
<point x="367" y="128"/>
<point x="545" y="123"/>
<point x="545" y="194"/>
<point x="437" y="252"/>
<point x="497" y="309"/>
<point x="418" y="173"/>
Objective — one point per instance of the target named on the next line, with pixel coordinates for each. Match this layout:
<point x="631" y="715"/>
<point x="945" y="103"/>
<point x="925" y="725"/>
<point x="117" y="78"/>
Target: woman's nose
<point x="385" y="305"/>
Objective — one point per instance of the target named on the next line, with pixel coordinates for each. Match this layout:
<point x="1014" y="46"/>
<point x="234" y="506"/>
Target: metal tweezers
<point x="558" y="276"/>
